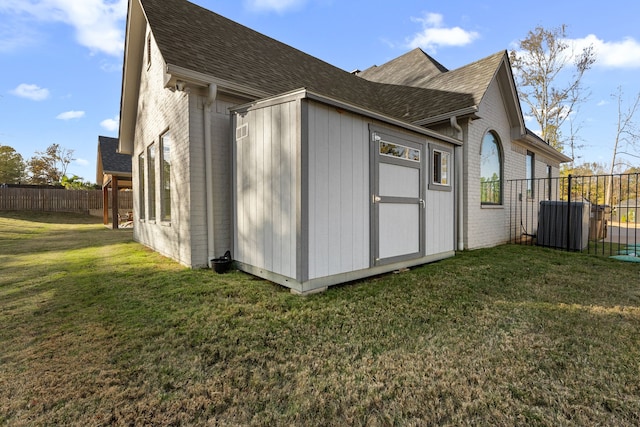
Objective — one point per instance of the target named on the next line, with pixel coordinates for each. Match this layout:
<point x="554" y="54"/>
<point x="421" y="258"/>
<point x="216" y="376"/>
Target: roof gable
<point x="410" y="69"/>
<point x="110" y="162"/>
<point x="417" y="69"/>
<point x="473" y="78"/>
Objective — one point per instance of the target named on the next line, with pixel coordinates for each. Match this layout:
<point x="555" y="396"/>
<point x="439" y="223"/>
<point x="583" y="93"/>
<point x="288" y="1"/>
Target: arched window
<point x="490" y="170"/>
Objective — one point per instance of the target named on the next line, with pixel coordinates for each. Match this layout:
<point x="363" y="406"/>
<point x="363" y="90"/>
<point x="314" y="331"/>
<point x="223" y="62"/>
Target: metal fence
<point x="59" y="200"/>
<point x="594" y="214"/>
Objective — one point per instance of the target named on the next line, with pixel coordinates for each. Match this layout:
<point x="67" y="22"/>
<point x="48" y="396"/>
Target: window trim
<point x="142" y="182"/>
<point x="408" y="153"/>
<point x="152" y="181"/>
<point x="530" y="173"/>
<point x="498" y="144"/>
<point x="166" y="136"/>
<point x="438" y="186"/>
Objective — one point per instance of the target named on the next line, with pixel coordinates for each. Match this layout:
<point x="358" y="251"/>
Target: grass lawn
<point x="98" y="330"/>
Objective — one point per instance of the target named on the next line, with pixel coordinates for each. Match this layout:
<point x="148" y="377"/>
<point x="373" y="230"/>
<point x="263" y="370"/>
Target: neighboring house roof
<point x="110" y="162"/>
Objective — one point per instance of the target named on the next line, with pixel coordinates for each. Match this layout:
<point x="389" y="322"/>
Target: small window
<point x="142" y="198"/>
<point x="400" y="151"/>
<point x="440" y="168"/>
<point x="165" y="177"/>
<point x="531" y="175"/>
<point x="151" y="204"/>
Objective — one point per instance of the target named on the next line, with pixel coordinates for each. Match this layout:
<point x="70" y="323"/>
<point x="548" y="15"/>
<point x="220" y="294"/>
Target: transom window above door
<point x="400" y="151"/>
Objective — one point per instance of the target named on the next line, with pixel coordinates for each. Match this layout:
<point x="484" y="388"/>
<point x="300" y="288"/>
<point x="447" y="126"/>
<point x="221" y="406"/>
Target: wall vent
<point x="242" y="131"/>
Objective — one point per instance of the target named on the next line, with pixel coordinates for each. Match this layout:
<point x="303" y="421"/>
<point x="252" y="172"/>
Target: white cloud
<point x="435" y="35"/>
<point x="29" y="91"/>
<point x="614" y="54"/>
<point x="99" y="24"/>
<point x="82" y="162"/>
<point x="272" y="5"/>
<point x="68" y="115"/>
<point x="111" y="124"/>
<point x="14" y="36"/>
<point x="602" y="103"/>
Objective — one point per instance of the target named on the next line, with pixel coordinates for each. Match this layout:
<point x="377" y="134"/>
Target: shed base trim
<point x="320" y="284"/>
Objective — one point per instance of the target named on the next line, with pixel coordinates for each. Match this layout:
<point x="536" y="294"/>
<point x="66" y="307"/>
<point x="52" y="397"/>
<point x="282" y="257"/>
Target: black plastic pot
<point x="221" y="265"/>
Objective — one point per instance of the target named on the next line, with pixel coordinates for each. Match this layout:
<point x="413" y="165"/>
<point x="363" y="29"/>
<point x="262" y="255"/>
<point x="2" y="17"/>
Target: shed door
<point x="397" y="200"/>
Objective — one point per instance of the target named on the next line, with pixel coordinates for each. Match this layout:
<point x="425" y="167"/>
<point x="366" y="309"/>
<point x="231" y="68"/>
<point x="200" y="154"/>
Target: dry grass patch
<point x="105" y="332"/>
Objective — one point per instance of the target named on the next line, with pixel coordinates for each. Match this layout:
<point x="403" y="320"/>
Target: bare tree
<point x="627" y="137"/>
<point x="575" y="142"/>
<point x="540" y="65"/>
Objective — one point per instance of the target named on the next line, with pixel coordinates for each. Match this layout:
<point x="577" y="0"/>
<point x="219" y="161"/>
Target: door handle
<point x="422" y="203"/>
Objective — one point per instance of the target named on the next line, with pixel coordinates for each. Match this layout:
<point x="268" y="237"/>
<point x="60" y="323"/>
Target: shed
<point x="114" y="174"/>
<point x="326" y="192"/>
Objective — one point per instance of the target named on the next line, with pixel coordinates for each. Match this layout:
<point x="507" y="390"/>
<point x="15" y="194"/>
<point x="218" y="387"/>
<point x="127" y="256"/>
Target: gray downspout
<point x="459" y="164"/>
<point x="208" y="175"/>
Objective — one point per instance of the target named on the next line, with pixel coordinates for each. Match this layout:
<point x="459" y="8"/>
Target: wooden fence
<point x="59" y="200"/>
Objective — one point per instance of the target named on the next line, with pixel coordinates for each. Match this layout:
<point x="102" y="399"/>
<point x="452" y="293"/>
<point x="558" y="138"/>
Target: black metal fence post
<point x="569" y="184"/>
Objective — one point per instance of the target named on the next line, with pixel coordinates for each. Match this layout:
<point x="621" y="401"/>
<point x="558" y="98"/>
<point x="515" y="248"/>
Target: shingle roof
<point x="410" y="69"/>
<point x="113" y="163"/>
<point x="417" y="69"/>
<point x="197" y="39"/>
<point x="472" y="78"/>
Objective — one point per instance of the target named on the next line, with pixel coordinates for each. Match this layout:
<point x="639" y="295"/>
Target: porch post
<point x="114" y="202"/>
<point x="105" y="204"/>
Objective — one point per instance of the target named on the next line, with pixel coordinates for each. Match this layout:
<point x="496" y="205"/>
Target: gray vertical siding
<point x="439" y="221"/>
<point x="265" y="189"/>
<point x="338" y="189"/>
<point x="302" y="196"/>
<point x="440" y="214"/>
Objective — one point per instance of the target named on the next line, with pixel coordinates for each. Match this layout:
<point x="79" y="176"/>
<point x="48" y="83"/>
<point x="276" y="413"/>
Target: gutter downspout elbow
<point x="459" y="164"/>
<point x="457" y="127"/>
<point x="212" y="93"/>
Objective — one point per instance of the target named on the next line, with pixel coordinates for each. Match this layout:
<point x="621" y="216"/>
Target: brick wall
<point x="160" y="110"/>
<point x="488" y="225"/>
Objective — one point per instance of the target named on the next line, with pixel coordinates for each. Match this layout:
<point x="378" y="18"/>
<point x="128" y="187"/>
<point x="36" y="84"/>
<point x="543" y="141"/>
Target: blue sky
<point x="62" y="59"/>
